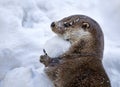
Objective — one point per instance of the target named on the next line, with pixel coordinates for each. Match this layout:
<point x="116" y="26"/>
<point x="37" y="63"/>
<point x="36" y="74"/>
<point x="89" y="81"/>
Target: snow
<point x="24" y="29"/>
<point x="56" y="46"/>
<point x="8" y="62"/>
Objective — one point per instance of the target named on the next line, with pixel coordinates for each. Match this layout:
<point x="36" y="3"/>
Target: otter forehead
<point x="71" y="20"/>
<point x="74" y="19"/>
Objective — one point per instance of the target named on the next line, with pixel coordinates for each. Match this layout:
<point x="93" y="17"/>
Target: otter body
<point x="81" y="65"/>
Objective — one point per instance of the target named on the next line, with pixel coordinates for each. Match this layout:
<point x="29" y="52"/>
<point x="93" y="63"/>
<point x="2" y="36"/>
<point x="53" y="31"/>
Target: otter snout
<point x="53" y="24"/>
<point x="57" y="27"/>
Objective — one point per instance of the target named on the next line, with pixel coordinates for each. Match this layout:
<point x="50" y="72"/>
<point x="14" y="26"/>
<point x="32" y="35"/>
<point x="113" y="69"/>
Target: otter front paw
<point x="45" y="59"/>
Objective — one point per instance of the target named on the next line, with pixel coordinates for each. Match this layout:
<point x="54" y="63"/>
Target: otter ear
<point x="85" y="25"/>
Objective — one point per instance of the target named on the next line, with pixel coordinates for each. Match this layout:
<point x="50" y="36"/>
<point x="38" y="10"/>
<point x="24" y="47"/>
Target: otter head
<point x="78" y="28"/>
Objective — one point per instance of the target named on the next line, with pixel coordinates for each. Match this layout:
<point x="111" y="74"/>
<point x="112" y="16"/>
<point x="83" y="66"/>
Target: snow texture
<point x="56" y="46"/>
<point x="24" y="29"/>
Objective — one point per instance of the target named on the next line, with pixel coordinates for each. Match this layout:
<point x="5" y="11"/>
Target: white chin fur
<point x="56" y="46"/>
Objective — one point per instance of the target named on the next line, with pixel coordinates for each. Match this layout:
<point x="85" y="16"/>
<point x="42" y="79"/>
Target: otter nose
<point x="53" y="24"/>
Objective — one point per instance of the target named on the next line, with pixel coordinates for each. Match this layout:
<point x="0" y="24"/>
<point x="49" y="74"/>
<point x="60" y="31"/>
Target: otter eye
<point x="85" y="25"/>
<point x="67" y="24"/>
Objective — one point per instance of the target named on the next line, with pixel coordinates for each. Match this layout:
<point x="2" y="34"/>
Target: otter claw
<point x="45" y="52"/>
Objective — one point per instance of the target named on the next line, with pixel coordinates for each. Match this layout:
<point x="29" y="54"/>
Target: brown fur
<point x="81" y="66"/>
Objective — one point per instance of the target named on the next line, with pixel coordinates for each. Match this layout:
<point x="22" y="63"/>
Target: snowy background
<point x="24" y="28"/>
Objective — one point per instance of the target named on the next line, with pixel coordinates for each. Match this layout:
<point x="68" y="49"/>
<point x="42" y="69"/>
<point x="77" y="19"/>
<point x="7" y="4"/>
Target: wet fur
<point x="81" y="66"/>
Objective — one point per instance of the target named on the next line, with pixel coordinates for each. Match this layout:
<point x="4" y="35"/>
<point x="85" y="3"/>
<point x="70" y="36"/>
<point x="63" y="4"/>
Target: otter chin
<point x="80" y="65"/>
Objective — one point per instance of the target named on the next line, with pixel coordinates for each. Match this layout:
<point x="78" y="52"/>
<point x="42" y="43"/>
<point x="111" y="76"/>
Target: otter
<point x="81" y="65"/>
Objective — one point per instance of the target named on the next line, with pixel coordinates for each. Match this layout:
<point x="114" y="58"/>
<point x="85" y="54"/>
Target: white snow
<point x="56" y="46"/>
<point x="7" y="62"/>
<point x="24" y="29"/>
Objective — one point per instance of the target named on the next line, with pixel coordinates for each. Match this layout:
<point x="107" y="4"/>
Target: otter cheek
<point x="64" y="30"/>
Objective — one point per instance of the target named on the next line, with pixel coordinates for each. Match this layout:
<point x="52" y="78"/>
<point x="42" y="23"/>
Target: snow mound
<point x="26" y="77"/>
<point x="19" y="77"/>
<point x="7" y="62"/>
